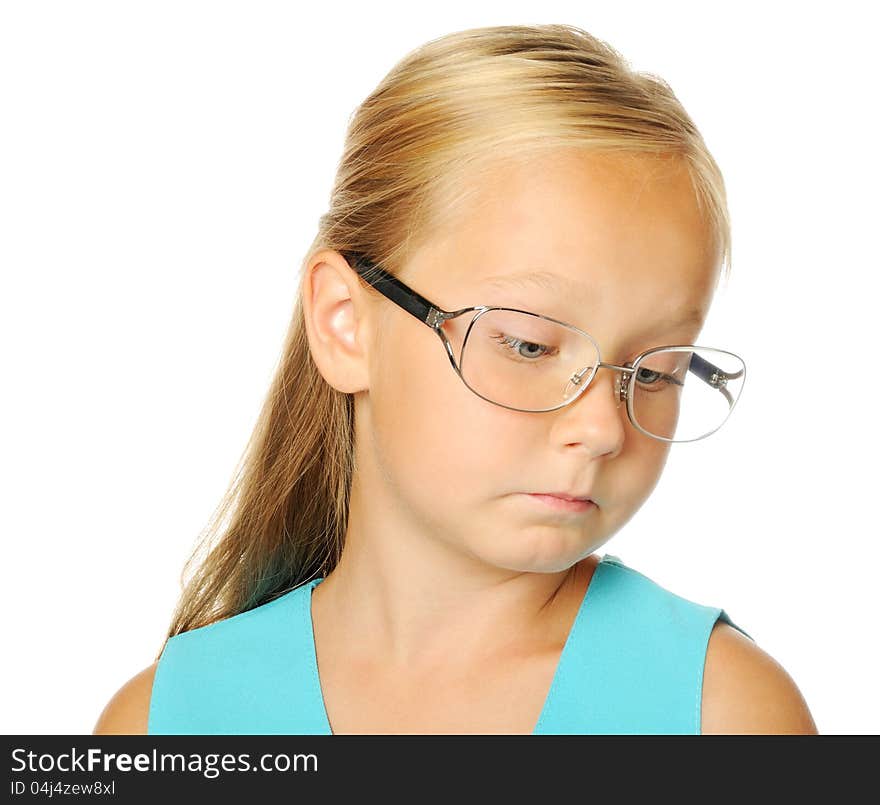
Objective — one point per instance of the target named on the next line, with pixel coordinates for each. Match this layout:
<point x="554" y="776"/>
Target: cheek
<point x="639" y="467"/>
<point x="438" y="438"/>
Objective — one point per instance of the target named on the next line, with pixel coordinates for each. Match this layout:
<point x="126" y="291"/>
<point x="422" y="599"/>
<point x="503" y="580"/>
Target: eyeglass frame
<point x="433" y="316"/>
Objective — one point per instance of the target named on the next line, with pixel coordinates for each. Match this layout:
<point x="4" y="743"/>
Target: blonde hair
<point x="414" y="151"/>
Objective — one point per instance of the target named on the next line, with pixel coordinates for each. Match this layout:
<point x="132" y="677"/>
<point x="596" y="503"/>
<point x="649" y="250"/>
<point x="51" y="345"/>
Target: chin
<point x="537" y="556"/>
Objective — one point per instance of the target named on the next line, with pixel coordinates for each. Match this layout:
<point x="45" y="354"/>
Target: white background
<point x="163" y="167"/>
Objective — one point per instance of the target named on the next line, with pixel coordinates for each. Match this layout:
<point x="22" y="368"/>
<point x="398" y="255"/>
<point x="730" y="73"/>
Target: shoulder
<point x="746" y="691"/>
<point x="128" y="709"/>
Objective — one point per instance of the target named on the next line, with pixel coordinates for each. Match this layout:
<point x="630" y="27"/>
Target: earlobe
<point x="334" y="314"/>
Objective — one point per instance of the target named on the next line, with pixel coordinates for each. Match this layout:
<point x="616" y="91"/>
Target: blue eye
<point x="533" y="349"/>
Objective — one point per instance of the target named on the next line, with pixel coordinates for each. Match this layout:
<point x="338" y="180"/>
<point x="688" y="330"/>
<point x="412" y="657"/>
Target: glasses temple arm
<point x="709" y="373"/>
<point x="389" y="286"/>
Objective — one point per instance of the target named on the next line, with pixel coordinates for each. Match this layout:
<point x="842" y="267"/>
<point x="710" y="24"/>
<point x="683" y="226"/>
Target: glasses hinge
<point x="435" y="317"/>
<point x="718" y="380"/>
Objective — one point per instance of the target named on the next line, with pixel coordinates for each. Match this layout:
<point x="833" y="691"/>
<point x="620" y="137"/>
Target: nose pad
<point x="576" y="381"/>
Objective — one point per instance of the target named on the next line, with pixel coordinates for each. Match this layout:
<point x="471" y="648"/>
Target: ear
<point x="336" y="313"/>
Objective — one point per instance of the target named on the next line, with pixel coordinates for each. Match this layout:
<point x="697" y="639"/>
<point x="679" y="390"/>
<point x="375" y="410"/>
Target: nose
<point x="595" y="418"/>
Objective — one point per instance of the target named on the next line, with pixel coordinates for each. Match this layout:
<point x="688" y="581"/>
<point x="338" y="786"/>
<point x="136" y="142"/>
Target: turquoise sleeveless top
<point x="632" y="664"/>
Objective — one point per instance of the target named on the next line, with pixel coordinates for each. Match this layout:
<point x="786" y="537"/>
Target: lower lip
<point x="564" y="505"/>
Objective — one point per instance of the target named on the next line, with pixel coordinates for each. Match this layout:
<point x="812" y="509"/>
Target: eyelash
<point x="514" y="343"/>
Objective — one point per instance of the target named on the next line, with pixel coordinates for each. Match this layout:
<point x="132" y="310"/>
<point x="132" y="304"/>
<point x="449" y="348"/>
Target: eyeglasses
<point x="533" y="363"/>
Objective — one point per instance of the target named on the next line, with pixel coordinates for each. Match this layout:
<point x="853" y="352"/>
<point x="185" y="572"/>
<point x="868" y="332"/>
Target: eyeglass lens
<point x="532" y="364"/>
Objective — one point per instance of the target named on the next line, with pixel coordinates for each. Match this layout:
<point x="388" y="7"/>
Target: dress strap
<point x="634" y="660"/>
<point x="247" y="674"/>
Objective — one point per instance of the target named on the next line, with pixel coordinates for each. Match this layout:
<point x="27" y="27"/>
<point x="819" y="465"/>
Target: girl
<point x="492" y="352"/>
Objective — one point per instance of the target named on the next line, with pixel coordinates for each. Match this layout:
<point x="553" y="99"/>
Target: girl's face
<point x="631" y="252"/>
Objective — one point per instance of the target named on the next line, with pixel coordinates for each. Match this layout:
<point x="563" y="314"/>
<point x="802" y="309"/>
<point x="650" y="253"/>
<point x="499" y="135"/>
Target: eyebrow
<point x="543" y="279"/>
<point x="556" y="282"/>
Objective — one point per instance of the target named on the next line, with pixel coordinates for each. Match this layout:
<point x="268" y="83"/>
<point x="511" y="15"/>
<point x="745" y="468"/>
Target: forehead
<point x="579" y="229"/>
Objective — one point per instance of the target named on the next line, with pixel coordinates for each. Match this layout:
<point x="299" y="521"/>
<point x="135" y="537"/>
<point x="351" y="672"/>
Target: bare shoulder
<point x="746" y="691"/>
<point x="127" y="711"/>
